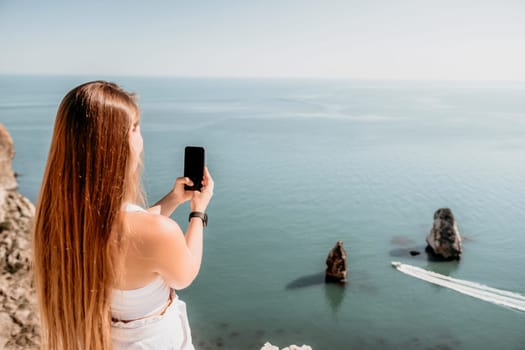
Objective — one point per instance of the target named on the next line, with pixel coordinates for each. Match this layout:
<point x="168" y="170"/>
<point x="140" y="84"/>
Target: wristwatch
<point x="200" y="215"/>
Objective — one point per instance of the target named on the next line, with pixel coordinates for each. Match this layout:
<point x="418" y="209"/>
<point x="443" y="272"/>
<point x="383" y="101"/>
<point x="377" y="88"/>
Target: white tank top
<point x="138" y="303"/>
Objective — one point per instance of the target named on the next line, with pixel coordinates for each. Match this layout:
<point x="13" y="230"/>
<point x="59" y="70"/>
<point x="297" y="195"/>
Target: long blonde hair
<point x="87" y="179"/>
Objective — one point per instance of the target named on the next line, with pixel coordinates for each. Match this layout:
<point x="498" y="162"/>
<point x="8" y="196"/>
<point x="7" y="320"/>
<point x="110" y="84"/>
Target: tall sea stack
<point x="336" y="264"/>
<point x="444" y="240"/>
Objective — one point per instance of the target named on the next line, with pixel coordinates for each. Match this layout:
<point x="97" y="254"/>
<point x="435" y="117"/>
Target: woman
<point x="104" y="266"/>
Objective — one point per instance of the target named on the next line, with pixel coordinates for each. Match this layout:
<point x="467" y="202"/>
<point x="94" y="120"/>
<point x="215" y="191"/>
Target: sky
<point x="365" y="39"/>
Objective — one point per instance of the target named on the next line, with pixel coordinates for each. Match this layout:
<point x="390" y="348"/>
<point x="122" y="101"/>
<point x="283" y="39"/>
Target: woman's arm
<point x="178" y="195"/>
<point x="167" y="250"/>
<point x="176" y="256"/>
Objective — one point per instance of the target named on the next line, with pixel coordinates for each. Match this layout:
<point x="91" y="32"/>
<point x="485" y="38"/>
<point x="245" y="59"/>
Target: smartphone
<point x="194" y="167"/>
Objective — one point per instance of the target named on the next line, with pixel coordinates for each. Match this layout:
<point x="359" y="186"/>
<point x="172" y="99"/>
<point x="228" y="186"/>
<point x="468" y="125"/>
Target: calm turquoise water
<point x="300" y="164"/>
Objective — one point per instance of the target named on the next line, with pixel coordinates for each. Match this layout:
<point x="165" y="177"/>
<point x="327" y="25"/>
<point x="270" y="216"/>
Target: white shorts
<point x="170" y="331"/>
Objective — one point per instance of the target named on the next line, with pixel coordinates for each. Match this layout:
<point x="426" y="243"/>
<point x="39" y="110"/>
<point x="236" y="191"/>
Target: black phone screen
<point x="194" y="167"/>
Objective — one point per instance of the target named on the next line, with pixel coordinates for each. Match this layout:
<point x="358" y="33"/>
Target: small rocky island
<point x="19" y="323"/>
<point x="336" y="265"/>
<point x="444" y="241"/>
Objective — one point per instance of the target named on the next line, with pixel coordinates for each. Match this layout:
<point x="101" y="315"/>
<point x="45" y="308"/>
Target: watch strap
<point x="200" y="215"/>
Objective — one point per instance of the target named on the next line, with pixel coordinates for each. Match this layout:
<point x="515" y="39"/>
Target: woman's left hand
<point x="179" y="193"/>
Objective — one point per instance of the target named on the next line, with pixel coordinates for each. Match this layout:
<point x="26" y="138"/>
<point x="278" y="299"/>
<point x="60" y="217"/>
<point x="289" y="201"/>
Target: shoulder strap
<point x="134" y="207"/>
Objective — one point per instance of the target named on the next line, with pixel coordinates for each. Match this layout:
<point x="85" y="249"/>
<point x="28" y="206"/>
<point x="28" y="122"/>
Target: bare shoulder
<point x="158" y="245"/>
<point x="151" y="229"/>
<point x="147" y="237"/>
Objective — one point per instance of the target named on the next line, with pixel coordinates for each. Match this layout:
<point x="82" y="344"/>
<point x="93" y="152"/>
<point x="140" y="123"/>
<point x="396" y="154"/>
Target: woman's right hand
<point x="201" y="199"/>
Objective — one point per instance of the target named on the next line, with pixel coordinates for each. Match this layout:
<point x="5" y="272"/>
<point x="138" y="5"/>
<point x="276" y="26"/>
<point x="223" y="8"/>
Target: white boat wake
<point x="476" y="290"/>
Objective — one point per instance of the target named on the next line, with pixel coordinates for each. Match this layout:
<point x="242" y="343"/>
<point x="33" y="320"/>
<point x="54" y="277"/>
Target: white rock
<point x="295" y="347"/>
<point x="268" y="346"/>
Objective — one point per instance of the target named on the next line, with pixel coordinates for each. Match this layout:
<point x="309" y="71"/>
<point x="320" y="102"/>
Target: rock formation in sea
<point x="444" y="240"/>
<point x="336" y="264"/>
<point x="18" y="314"/>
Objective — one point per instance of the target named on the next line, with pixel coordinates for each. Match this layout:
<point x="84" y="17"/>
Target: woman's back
<point x="140" y="292"/>
<point x="150" y="316"/>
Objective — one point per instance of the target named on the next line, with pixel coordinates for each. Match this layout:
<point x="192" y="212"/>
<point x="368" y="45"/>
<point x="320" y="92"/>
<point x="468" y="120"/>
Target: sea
<point x="300" y="164"/>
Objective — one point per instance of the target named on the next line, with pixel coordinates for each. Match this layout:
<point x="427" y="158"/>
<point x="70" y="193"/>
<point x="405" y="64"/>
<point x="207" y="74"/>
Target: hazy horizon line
<point x="256" y="77"/>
